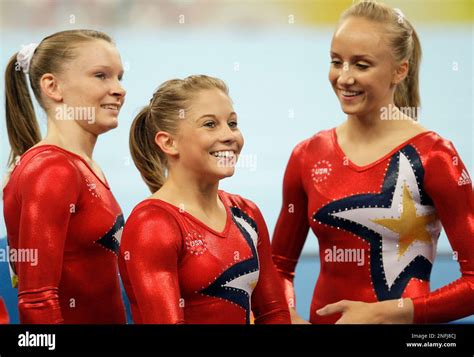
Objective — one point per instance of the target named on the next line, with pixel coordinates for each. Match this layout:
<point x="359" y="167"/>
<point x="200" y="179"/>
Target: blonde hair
<point x="168" y="104"/>
<point x="49" y="57"/>
<point x="405" y="44"/>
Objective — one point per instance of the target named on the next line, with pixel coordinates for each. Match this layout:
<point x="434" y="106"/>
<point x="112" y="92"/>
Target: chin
<point x="104" y="126"/>
<point x="351" y="111"/>
<point x="222" y="174"/>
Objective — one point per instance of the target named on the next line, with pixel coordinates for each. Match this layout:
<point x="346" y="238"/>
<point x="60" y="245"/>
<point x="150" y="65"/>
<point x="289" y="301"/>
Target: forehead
<point x="210" y="100"/>
<point x="357" y="36"/>
<point x="96" y="53"/>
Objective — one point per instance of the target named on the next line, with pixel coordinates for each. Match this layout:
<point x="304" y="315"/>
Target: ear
<point x="50" y="87"/>
<point x="401" y="72"/>
<point x="166" y="143"/>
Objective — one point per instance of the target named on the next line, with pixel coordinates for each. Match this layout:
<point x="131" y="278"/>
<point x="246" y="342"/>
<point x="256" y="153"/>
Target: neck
<point x="182" y="187"/>
<point x="70" y="136"/>
<point x="374" y="125"/>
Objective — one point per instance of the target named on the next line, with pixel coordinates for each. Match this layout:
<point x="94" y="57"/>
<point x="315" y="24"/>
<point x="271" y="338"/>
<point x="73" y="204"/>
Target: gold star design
<point x="409" y="226"/>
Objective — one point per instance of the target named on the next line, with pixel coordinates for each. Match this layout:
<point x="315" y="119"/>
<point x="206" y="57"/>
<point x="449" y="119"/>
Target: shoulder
<point x="434" y="145"/>
<point x="151" y="225"/>
<point x="152" y="232"/>
<point x="152" y="213"/>
<point x="443" y="165"/>
<point x="322" y="138"/>
<point x="46" y="170"/>
<point x="442" y="145"/>
<point x="46" y="160"/>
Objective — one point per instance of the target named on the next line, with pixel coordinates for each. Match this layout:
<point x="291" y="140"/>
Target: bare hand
<point x="357" y="312"/>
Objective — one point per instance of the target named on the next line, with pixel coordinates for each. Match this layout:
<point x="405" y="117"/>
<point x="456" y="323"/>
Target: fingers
<point x="337" y="307"/>
<point x="330" y="309"/>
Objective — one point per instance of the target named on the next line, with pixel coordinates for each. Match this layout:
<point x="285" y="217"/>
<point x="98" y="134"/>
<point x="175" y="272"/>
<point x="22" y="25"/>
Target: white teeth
<point x="350" y="94"/>
<point x="223" y="153"/>
<point x="110" y="106"/>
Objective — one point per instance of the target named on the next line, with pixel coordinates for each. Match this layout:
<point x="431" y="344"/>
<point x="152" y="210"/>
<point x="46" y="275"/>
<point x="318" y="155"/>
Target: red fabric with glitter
<point x="55" y="205"/>
<point x="378" y="225"/>
<point x="3" y="313"/>
<point x="176" y="269"/>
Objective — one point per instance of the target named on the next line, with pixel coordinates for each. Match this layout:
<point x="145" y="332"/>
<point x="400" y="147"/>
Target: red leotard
<point x="176" y="269"/>
<point x="55" y="204"/>
<point x="3" y="313"/>
<point x="390" y="212"/>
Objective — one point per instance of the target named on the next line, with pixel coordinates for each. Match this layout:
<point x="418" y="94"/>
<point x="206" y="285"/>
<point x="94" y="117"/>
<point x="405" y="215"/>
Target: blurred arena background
<point x="274" y="55"/>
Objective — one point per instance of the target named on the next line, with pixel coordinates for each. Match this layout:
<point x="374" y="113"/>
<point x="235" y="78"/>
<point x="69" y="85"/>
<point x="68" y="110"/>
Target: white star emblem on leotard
<point x="399" y="223"/>
<point x="393" y="262"/>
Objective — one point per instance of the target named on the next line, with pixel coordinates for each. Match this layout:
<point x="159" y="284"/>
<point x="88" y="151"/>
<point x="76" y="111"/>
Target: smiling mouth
<point x="230" y="154"/>
<point x="111" y="106"/>
<point x="350" y="94"/>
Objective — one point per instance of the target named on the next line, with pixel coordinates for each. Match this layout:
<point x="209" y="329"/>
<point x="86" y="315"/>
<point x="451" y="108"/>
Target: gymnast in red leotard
<point x="376" y="189"/>
<point x="192" y="253"/>
<point x="57" y="203"/>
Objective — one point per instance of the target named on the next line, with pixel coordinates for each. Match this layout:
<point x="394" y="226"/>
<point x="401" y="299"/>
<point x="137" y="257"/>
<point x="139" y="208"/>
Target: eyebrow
<point x="213" y="116"/>
<point x="355" y="57"/>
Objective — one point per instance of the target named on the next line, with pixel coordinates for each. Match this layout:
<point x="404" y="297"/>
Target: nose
<point x="227" y="135"/>
<point x="345" y="76"/>
<point x="118" y="90"/>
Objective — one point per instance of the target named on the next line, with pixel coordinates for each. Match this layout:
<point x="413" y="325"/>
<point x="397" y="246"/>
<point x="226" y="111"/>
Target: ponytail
<point x="407" y="94"/>
<point x="22" y="126"/>
<point x="145" y="153"/>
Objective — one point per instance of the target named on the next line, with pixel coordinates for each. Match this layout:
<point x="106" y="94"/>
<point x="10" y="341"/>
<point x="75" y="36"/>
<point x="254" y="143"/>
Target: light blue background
<point x="278" y="82"/>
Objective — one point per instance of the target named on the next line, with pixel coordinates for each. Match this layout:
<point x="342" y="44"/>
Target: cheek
<point x="332" y="76"/>
<point x="375" y="79"/>
<point x="377" y="85"/>
<point x="79" y="96"/>
<point x="239" y="138"/>
<point x="195" y="145"/>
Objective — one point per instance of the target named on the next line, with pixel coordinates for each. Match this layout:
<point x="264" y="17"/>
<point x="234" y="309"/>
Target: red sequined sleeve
<point x="268" y="299"/>
<point x="449" y="185"/>
<point x="292" y="226"/>
<point x="47" y="187"/>
<point x="3" y="313"/>
<point x="150" y="248"/>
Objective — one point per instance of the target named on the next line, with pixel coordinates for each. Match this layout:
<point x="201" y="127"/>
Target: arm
<point x="150" y="246"/>
<point x="455" y="207"/>
<point x="292" y="226"/>
<point x="268" y="299"/>
<point x="48" y="186"/>
<point x="3" y="313"/>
